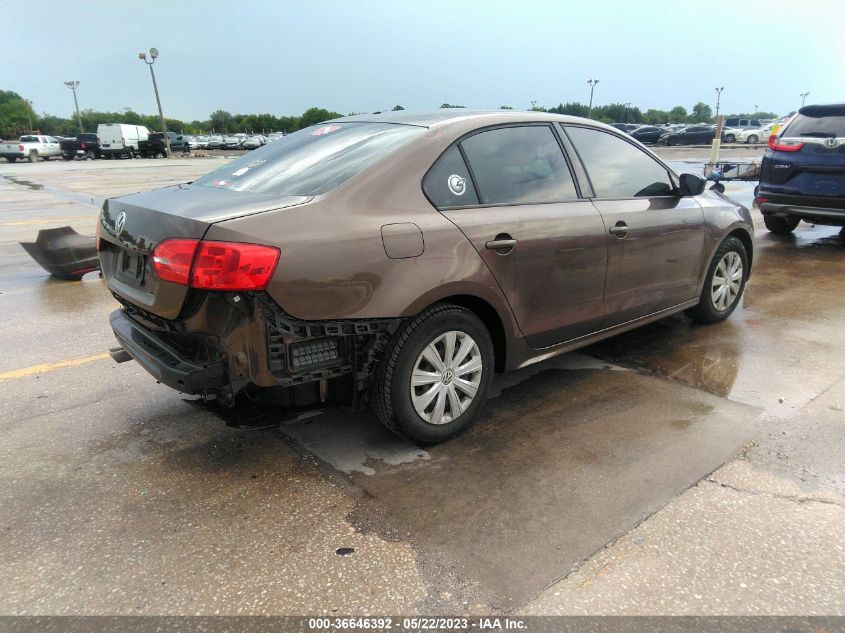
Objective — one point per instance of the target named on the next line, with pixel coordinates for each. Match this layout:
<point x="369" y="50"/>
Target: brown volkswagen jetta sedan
<point x="400" y="259"/>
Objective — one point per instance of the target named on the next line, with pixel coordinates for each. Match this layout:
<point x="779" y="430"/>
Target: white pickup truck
<point x="32" y="147"/>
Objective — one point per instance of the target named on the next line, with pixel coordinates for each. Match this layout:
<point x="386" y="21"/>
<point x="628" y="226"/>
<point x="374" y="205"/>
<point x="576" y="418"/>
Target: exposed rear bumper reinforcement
<point x="164" y="362"/>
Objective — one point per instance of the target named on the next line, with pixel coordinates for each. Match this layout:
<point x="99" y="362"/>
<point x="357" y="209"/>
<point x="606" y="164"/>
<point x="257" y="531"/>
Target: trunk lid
<point x="130" y="227"/>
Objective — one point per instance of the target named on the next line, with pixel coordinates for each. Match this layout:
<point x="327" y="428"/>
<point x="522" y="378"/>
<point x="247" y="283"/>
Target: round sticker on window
<point x="457" y="184"/>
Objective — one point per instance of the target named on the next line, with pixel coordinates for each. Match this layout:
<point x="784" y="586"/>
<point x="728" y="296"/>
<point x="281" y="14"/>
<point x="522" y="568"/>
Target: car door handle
<point x="503" y="244"/>
<point x="621" y="230"/>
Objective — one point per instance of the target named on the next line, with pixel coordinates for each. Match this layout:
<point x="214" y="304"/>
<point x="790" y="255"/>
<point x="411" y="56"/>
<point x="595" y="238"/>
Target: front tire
<point x="724" y="283"/>
<point x="780" y="226"/>
<point x="435" y="374"/>
<point x="730" y="138"/>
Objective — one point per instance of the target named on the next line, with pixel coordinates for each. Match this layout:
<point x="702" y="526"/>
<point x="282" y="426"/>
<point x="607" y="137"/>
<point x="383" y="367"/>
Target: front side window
<point x="312" y="161"/>
<point x="519" y="165"/>
<point x="448" y="183"/>
<point x="617" y="168"/>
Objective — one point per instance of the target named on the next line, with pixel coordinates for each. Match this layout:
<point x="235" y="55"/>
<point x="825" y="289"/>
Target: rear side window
<point x="823" y="126"/>
<point x="448" y="183"/>
<point x="312" y="161"/>
<point x="519" y="165"/>
<point x="617" y="168"/>
<point x="28" y="139"/>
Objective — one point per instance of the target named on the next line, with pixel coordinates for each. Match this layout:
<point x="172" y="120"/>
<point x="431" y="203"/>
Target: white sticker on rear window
<point x="457" y="184"/>
<point x="326" y="129"/>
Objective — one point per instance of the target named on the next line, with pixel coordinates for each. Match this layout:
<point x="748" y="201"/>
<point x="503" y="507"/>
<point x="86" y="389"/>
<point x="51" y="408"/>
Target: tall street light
<point x="718" y="99"/>
<point x="627" y="111"/>
<point x="73" y="85"/>
<point x="592" y="83"/>
<point x="803" y="96"/>
<point x="143" y="58"/>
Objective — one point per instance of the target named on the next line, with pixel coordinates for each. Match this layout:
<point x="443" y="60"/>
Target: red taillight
<point x="784" y="145"/>
<point x="215" y="265"/>
<point x="20" y="148"/>
<point x="233" y="266"/>
<point x="172" y="260"/>
<point x="82" y="145"/>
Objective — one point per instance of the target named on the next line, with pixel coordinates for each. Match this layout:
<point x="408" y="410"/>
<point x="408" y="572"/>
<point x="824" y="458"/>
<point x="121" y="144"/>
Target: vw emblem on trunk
<point x="120" y="223"/>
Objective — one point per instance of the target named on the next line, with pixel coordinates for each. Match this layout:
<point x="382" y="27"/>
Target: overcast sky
<point x="356" y="56"/>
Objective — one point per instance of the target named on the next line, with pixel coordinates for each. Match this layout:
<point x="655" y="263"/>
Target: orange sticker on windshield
<point x="326" y="129"/>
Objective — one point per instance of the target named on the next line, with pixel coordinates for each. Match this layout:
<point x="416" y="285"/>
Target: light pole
<point x="627" y="111"/>
<point x="718" y="99"/>
<point x="143" y="58"/>
<point x="29" y="114"/>
<point x="592" y="83"/>
<point x="755" y="108"/>
<point x="803" y="96"/>
<point x="73" y="85"/>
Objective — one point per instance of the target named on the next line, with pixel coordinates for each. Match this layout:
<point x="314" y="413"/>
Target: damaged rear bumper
<point x="229" y="342"/>
<point x="163" y="361"/>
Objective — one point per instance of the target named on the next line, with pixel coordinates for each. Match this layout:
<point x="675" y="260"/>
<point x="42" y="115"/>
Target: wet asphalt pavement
<point x="678" y="469"/>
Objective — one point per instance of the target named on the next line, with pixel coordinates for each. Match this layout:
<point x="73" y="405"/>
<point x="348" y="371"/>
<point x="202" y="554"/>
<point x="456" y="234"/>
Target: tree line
<point x="18" y="117"/>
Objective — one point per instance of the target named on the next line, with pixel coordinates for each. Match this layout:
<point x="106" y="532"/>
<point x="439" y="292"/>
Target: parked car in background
<point x="155" y="145"/>
<point x="730" y="134"/>
<point x="202" y="141"/>
<point x="83" y="146"/>
<point x="215" y="142"/>
<point x="32" y="147"/>
<point x="231" y="142"/>
<point x="758" y="135"/>
<point x="403" y="259"/>
<point x="692" y="135"/>
<point x="742" y="124"/>
<point x="647" y="134"/>
<point x="252" y="142"/>
<point x="626" y="127"/>
<point x="121" y="139"/>
<point x="802" y="175"/>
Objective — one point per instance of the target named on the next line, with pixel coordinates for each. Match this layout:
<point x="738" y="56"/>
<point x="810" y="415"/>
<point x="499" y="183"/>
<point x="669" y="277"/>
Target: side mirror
<point x="691" y="185"/>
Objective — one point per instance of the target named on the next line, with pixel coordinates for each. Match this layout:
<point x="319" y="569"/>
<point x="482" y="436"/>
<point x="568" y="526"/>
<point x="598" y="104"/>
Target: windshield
<point x="312" y="161"/>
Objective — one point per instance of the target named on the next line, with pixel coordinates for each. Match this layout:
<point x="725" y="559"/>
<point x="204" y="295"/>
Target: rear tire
<point x="780" y="226"/>
<point x="752" y="139"/>
<point x="131" y="153"/>
<point x="730" y="138"/>
<point x="33" y="156"/>
<point x="448" y="352"/>
<point x="724" y="283"/>
<point x="92" y="154"/>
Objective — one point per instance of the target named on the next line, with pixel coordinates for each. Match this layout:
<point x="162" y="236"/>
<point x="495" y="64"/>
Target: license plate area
<point x="130" y="267"/>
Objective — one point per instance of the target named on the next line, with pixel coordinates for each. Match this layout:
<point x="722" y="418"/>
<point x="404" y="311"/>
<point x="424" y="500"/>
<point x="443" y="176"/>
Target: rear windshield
<point x="28" y="139"/>
<point x="818" y="126"/>
<point x="312" y="161"/>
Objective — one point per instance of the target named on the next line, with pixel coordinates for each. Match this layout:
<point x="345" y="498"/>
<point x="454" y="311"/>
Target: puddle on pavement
<point x="557" y="467"/>
<point x="96" y="201"/>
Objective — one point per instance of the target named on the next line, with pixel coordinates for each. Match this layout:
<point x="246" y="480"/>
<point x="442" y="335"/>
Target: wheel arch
<point x="490" y="317"/>
<point x="747" y="241"/>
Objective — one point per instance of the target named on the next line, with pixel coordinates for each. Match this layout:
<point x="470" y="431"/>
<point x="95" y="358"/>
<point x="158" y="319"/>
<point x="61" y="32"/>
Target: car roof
<point x="446" y="116"/>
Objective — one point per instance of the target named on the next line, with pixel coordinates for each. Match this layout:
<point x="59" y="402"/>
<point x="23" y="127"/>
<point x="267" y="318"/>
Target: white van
<point x="121" y="139"/>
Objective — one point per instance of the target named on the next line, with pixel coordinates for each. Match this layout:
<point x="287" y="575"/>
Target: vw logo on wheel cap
<point x="120" y="223"/>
